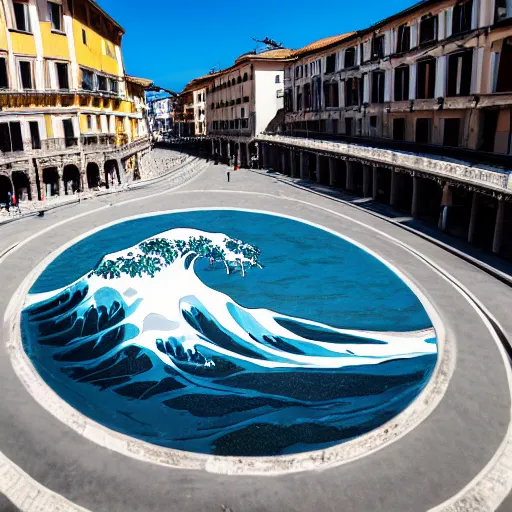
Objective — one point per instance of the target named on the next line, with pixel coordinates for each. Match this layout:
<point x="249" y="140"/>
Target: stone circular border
<point x="336" y="455"/>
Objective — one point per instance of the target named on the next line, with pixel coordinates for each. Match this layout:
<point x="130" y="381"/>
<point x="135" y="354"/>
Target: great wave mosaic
<point x="228" y="332"/>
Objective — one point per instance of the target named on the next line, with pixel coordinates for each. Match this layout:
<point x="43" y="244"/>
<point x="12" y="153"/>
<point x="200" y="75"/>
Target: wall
<point x="266" y="101"/>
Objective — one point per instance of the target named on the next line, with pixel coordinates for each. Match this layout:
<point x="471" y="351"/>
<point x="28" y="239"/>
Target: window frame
<point x="26" y="16"/>
<point x="51" y="5"/>
<point x="31" y="63"/>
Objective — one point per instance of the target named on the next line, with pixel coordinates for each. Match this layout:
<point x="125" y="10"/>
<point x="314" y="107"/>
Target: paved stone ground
<point x="429" y="465"/>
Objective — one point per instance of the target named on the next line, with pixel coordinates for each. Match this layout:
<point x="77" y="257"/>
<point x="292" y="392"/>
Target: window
<point x="69" y="133"/>
<point x="21" y="16"/>
<point x="361" y="53"/>
<point x="4" y="77"/>
<point x="451" y="132"/>
<point x="377" y="47"/>
<point x="245" y="77"/>
<point x="504" y="77"/>
<point x="34" y="134"/>
<point x="114" y="86"/>
<point x="348" y="126"/>
<point x="378" y="79"/>
<point x="403" y="42"/>
<point x="10" y="137"/>
<point x="426" y="79"/>
<point x="102" y="83"/>
<point x="330" y="63"/>
<point x="55" y="16"/>
<point x="461" y="19"/>
<point x="402" y="83"/>
<point x="89" y="122"/>
<point x="278" y="79"/>
<point x="490" y="125"/>
<point x="423" y="130"/>
<point x="331" y="94"/>
<point x="350" y="57"/>
<point x="399" y="129"/>
<point x="373" y="126"/>
<point x="428" y="29"/>
<point x="62" y="75"/>
<point x="501" y="11"/>
<point x="26" y="81"/>
<point x="299" y="99"/>
<point x="109" y="50"/>
<point x="353" y="91"/>
<point x="87" y="80"/>
<point x="84" y="37"/>
<point x="307" y="96"/>
<point x="242" y="112"/>
<point x="459" y="73"/>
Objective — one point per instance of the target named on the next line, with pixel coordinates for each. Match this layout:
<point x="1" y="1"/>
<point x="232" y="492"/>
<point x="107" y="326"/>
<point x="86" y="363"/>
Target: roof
<point x="322" y="43"/>
<point x="143" y="82"/>
<point x="96" y="6"/>
<point x="199" y="83"/>
<point x="277" y="54"/>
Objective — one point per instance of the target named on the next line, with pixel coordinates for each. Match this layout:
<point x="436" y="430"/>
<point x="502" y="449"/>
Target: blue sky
<point x="172" y="42"/>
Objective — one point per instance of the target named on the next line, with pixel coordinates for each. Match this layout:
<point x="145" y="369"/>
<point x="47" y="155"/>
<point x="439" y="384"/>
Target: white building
<point x="242" y="100"/>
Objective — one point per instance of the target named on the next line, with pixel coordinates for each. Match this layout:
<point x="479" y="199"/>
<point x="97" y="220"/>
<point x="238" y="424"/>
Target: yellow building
<point x="70" y="119"/>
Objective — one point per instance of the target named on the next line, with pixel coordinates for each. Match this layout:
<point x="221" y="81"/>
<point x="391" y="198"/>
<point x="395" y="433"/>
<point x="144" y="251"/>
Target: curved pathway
<point x="457" y="458"/>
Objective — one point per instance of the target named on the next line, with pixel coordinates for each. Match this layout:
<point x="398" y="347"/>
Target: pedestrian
<point x="9" y="201"/>
<point x="13" y="201"/>
<point x="229" y="173"/>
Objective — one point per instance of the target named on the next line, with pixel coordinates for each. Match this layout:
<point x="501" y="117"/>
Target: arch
<point x="21" y="185"/>
<point x="5" y="188"/>
<point x="233" y="81"/>
<point x="239" y="80"/>
<point x="112" y="173"/>
<point x="71" y="177"/>
<point x="51" y="181"/>
<point x="93" y="175"/>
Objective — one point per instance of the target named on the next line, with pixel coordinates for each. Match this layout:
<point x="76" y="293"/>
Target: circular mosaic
<point x="228" y="332"/>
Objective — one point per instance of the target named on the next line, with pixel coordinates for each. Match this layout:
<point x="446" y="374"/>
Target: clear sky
<point x="172" y="41"/>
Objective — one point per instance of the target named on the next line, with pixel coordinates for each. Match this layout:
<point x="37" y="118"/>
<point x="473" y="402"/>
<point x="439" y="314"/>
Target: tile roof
<point x="322" y="43"/>
<point x="143" y="82"/>
<point x="276" y="54"/>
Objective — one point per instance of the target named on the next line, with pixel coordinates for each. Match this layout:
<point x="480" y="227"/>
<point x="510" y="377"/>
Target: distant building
<point x="69" y="117"/>
<point x="242" y="100"/>
<point x="160" y="114"/>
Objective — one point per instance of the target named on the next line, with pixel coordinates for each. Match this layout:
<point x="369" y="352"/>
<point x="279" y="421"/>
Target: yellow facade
<point x="54" y="45"/>
<point x="3" y="36"/>
<point x="23" y="44"/>
<point x="93" y="54"/>
<point x="49" y="126"/>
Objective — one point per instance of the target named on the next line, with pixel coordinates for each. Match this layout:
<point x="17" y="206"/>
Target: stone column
<point x="415" y="206"/>
<point x="332" y="171"/>
<point x="375" y="183"/>
<point x="498" y="229"/>
<point x="393" y="194"/>
<point x="473" y="218"/>
<point x="62" y="190"/>
<point x="293" y="171"/>
<point x="367" y="181"/>
<point x="301" y="162"/>
<point x="247" y="156"/>
<point x="350" y="176"/>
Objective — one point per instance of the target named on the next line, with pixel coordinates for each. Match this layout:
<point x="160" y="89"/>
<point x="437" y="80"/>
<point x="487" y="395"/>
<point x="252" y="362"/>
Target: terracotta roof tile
<point x="322" y="43"/>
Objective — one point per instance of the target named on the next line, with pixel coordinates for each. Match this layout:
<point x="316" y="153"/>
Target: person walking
<point x="9" y="201"/>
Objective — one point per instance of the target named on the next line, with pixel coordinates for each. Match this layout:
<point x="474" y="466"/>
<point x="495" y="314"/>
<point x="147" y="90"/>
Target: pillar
<point x="367" y="181"/>
<point x="498" y="229"/>
<point x="350" y="176"/>
<point x="293" y="171"/>
<point x="415" y="206"/>
<point x="393" y="195"/>
<point x="263" y="148"/>
<point x="301" y="163"/>
<point x="332" y="171"/>
<point x="375" y="183"/>
<point x="62" y="191"/>
<point x="473" y="218"/>
<point x="317" y="169"/>
<point x="247" y="156"/>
